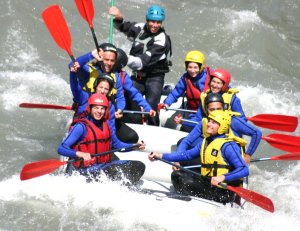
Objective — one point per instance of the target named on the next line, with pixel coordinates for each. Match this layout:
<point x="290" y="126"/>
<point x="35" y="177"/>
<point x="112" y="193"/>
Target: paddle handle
<point x="136" y="112"/>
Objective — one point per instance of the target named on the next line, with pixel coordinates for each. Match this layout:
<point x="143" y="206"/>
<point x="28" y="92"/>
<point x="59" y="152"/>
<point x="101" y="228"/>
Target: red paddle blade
<point x="86" y="10"/>
<point x="44" y="106"/>
<point x="284" y="142"/>
<point x="253" y="197"/>
<point x="39" y="168"/>
<point x="289" y="156"/>
<point x="58" y="27"/>
<point x="275" y="122"/>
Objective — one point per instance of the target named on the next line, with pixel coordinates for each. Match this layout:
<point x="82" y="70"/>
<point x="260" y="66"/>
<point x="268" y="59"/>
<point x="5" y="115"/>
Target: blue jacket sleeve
<point x="185" y="155"/>
<point x="236" y="106"/>
<point x="232" y="156"/>
<point x="195" y="136"/>
<point x="177" y="92"/>
<point x="76" y="134"/>
<point x="112" y="119"/>
<point x="120" y="99"/>
<point x="240" y="128"/>
<point x="134" y="94"/>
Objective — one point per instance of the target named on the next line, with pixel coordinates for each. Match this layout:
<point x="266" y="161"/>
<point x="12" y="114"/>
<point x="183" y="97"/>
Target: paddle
<point x="283" y="142"/>
<point x="44" y="106"/>
<point x="43" y="167"/>
<point x="59" y="30"/>
<point x="287" y="157"/>
<point x="248" y="195"/>
<point x="111" y="24"/>
<point x="284" y="123"/>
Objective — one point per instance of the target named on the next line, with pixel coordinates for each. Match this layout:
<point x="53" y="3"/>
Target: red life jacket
<point x="193" y="93"/>
<point x="95" y="141"/>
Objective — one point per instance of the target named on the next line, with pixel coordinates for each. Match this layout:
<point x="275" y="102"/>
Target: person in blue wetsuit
<point x="221" y="161"/>
<point x="148" y="58"/>
<point x="191" y="84"/>
<point x="130" y="92"/>
<point x="92" y="135"/>
<point x="104" y="83"/>
<point x="89" y="66"/>
<point x="239" y="126"/>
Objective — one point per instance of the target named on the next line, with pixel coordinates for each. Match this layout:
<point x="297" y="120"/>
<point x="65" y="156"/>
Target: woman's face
<point x="103" y="87"/>
<point x="193" y="69"/>
<point x="216" y="85"/>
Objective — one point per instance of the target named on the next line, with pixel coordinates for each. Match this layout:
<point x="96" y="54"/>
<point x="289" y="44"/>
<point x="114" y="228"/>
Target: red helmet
<point x="99" y="100"/>
<point x="223" y="75"/>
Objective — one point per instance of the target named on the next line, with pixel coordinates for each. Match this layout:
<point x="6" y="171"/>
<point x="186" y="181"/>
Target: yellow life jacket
<point x="212" y="162"/>
<point x="94" y="73"/>
<point x="227" y="96"/>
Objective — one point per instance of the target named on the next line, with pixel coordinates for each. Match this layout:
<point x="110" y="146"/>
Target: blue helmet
<point x="155" y="13"/>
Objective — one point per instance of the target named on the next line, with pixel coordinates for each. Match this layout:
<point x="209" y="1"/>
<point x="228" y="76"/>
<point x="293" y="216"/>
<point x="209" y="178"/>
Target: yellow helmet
<point x="195" y="57"/>
<point x="223" y="118"/>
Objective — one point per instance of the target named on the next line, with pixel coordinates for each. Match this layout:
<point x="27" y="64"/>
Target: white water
<point x="259" y="46"/>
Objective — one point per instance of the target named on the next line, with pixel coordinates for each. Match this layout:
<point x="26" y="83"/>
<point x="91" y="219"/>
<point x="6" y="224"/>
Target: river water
<point x="257" y="41"/>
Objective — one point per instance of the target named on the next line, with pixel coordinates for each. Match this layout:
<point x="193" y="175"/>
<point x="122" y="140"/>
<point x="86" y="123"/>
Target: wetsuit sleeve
<point x="194" y="137"/>
<point x="120" y="99"/>
<point x="184" y="155"/>
<point x="177" y="92"/>
<point x="112" y="119"/>
<point x="76" y="134"/>
<point x="134" y="94"/>
<point x="116" y="143"/>
<point x="240" y="128"/>
<point x="236" y="106"/>
<point x="232" y="155"/>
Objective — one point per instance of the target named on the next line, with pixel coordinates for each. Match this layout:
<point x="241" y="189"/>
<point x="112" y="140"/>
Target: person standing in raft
<point x="92" y="135"/>
<point x="92" y="64"/>
<point x="221" y="161"/>
<point x="191" y="84"/>
<point x="131" y="94"/>
<point x="148" y="55"/>
<point x="105" y="84"/>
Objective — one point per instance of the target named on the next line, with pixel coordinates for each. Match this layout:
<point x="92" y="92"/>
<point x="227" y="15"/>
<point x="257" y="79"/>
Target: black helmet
<point x="108" y="47"/>
<point x="122" y="59"/>
<point x="108" y="78"/>
<point x="213" y="97"/>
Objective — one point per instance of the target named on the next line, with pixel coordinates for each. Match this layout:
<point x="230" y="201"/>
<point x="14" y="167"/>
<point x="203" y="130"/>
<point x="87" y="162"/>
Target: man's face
<point x="214" y="106"/>
<point x="154" y="26"/>
<point x="212" y="127"/>
<point x="98" y="112"/>
<point x="109" y="60"/>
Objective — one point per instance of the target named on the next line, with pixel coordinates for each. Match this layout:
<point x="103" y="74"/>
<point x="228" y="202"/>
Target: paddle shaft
<point x="111" y="24"/>
<point x="136" y="112"/>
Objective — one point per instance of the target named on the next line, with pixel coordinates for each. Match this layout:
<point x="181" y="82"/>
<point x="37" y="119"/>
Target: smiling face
<point x="103" y="87"/>
<point x="154" y="26"/>
<point x="212" y="127"/>
<point x="193" y="69"/>
<point x="216" y="85"/>
<point x="97" y="112"/>
<point x="109" y="60"/>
